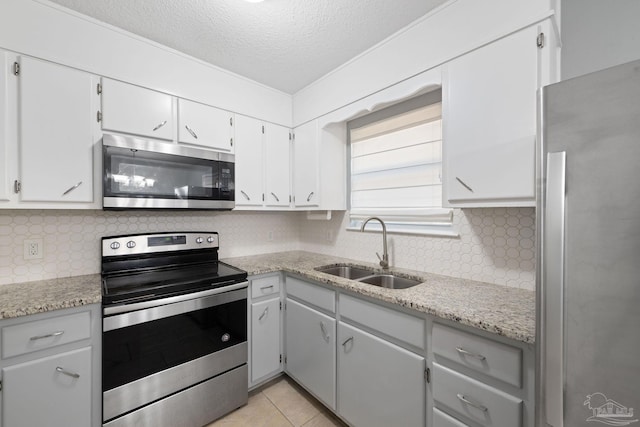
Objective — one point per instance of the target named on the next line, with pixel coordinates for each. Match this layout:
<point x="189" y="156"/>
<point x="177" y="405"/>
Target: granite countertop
<point x="501" y="310"/>
<point x="21" y="299"/>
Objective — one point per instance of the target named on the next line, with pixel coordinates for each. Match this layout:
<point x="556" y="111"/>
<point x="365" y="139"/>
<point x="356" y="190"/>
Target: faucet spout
<point x="384" y="261"/>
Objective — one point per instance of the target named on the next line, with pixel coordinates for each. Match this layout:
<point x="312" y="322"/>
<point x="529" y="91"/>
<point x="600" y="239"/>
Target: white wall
<point x="598" y="34"/>
<point x="452" y="30"/>
<point x="47" y="31"/>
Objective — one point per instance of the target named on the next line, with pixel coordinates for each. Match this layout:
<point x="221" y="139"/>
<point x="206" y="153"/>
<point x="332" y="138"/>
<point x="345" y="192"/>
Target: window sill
<point x="415" y="230"/>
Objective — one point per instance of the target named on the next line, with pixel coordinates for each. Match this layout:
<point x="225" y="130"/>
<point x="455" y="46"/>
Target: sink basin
<point x="389" y="281"/>
<point x="346" y="271"/>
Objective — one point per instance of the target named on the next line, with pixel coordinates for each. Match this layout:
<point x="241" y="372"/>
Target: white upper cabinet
<point x="4" y="121"/>
<point x="56" y="121"/>
<point x="249" y="161"/>
<point x="489" y="123"/>
<point x="306" y="164"/>
<point x="135" y="110"/>
<point x="277" y="165"/>
<point x="206" y="126"/>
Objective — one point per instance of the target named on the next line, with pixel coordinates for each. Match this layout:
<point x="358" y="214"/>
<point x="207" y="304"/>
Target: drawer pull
<point x="266" y="287"/>
<point x="264" y="313"/>
<point x="191" y="131"/>
<point x="325" y="335"/>
<point x="468" y="353"/>
<point x="40" y="337"/>
<point x="470" y="403"/>
<point x="344" y="344"/>
<point x="65" y="372"/>
<point x="159" y="126"/>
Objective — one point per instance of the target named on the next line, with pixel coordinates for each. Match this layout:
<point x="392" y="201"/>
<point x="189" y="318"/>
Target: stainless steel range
<point x="174" y="331"/>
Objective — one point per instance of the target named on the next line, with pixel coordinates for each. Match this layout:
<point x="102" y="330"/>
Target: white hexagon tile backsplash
<point x="72" y="238"/>
<point x="495" y="245"/>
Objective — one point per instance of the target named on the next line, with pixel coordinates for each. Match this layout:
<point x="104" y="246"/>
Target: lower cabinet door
<point x="265" y="338"/>
<point x="52" y="391"/>
<point x="379" y="383"/>
<point x="311" y="350"/>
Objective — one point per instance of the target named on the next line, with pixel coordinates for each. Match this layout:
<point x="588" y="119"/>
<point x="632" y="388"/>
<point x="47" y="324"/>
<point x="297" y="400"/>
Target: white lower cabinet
<point x="311" y="350"/>
<point x="50" y="369"/>
<point x="379" y="383"/>
<point x="265" y="344"/>
<point x="52" y="391"/>
<point x="265" y="333"/>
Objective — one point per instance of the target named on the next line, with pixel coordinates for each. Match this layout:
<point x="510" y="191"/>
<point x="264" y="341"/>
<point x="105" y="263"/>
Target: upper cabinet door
<point x="4" y="122"/>
<point x="206" y="126"/>
<point x="277" y="165"/>
<point x="306" y="162"/>
<point x="489" y="123"/>
<point x="56" y="123"/>
<point x="249" y="161"/>
<point x="135" y="110"/>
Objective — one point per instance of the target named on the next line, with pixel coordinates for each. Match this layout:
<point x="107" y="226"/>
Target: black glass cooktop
<point x="146" y="283"/>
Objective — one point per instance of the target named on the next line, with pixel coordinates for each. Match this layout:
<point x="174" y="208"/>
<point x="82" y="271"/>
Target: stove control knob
<point x="210" y="239"/>
<point x="199" y="240"/>
<point x="131" y="244"/>
<point x="115" y="245"/>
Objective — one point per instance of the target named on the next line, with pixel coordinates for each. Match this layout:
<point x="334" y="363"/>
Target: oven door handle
<point x="167" y="307"/>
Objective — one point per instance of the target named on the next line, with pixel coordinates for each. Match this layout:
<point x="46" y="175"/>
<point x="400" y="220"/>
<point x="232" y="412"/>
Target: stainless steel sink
<point x="346" y="271"/>
<point x="369" y="276"/>
<point x="389" y="281"/>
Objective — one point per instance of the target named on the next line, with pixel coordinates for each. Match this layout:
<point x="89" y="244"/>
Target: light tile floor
<point x="280" y="403"/>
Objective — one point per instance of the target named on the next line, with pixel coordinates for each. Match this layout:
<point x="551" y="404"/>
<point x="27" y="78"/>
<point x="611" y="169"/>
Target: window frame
<point x="442" y="225"/>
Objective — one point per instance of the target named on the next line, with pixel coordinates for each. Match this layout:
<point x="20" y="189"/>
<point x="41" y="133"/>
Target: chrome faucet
<point x="384" y="261"/>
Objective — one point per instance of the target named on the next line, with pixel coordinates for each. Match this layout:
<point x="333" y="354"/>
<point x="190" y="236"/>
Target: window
<point x="396" y="167"/>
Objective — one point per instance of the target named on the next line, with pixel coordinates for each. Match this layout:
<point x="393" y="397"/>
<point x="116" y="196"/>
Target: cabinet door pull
<point x="310" y="196"/>
<point x="464" y="399"/>
<point x="468" y="353"/>
<point x="464" y="185"/>
<point x="41" y="337"/>
<point x="275" y="197"/>
<point x="193" y="134"/>
<point x="264" y="313"/>
<point x="65" y="372"/>
<point x="72" y="188"/>
<point x="266" y="287"/>
<point x="159" y="126"/>
<point x="344" y="344"/>
<point x="325" y="335"/>
<point x="245" y="195"/>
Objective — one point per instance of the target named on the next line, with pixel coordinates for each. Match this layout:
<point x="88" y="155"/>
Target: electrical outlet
<point x="270" y="236"/>
<point x="33" y="248"/>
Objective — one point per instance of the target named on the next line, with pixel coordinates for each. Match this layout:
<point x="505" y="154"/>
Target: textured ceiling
<point x="285" y="44"/>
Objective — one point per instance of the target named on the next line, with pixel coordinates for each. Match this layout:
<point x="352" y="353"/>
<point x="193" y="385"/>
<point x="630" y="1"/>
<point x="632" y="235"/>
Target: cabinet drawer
<point x="482" y="403"/>
<point x="265" y="286"/>
<point x="399" y="325"/>
<point x="32" y="336"/>
<point x="497" y="360"/>
<point x="313" y="294"/>
<point x="440" y="419"/>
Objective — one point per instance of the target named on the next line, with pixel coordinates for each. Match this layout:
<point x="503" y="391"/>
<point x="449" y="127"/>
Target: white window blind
<point x="396" y="169"/>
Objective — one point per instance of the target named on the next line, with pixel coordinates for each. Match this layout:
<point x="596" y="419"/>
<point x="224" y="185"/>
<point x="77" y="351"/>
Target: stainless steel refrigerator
<point x="588" y="225"/>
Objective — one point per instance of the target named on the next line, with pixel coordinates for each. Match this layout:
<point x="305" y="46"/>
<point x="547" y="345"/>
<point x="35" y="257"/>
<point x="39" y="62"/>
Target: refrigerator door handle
<point x="553" y="287"/>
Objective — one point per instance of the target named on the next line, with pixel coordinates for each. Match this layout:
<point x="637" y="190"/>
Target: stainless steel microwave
<point x="139" y="173"/>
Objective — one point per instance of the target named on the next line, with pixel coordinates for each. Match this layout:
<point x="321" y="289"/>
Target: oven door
<point x="145" y="174"/>
<point x="158" y="351"/>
